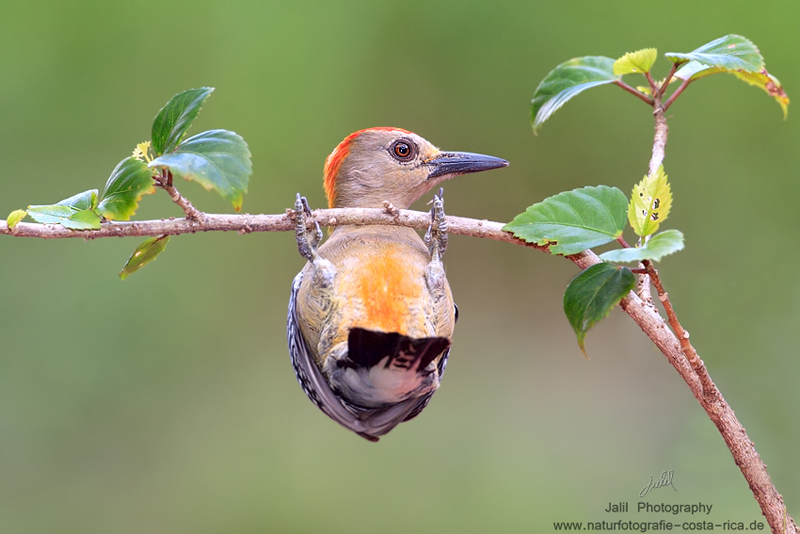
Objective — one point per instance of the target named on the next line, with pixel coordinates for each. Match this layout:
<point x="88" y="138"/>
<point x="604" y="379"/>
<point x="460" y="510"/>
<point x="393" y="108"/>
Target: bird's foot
<point x="306" y="241"/>
<point x="436" y="236"/>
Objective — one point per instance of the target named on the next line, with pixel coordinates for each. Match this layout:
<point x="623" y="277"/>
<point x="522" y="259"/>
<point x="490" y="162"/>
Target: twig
<point x="646" y="316"/>
<point x="698" y="379"/>
<point x="665" y="84"/>
<point x="634" y="92"/>
<point x="653" y="85"/>
<point x="660" y="136"/>
<point x="676" y="94"/>
<point x="263" y="223"/>
<point x="733" y="433"/>
<point x="165" y="182"/>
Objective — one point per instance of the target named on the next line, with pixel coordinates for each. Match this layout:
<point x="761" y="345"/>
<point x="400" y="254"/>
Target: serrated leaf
<point x="217" y="159"/>
<point x="15" y="217"/>
<point x="770" y="84"/>
<point x="731" y="52"/>
<point x="144" y="254"/>
<point x="592" y="295"/>
<point x="640" y="61"/>
<point x="650" y="203"/>
<point x="176" y="117"/>
<point x="658" y="246"/>
<point x="566" y="81"/>
<point x="573" y="221"/>
<point x="61" y="212"/>
<point x="128" y="182"/>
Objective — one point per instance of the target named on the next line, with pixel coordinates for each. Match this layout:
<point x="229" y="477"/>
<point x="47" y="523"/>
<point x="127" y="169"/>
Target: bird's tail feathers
<point x="366" y="348"/>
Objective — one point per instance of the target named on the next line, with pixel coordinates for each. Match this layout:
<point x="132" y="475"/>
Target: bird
<point x="371" y="314"/>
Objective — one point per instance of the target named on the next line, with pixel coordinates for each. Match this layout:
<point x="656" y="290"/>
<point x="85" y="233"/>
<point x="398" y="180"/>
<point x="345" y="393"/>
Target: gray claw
<point x="306" y="244"/>
<point x="436" y="236"/>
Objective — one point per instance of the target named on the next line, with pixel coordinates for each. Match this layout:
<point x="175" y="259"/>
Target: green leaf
<point x="566" y="81"/>
<point x="650" y="203"/>
<point x="762" y="79"/>
<point x="639" y="61"/>
<point x="732" y="52"/>
<point x="658" y="246"/>
<point x="176" y="117"/>
<point x="217" y="159"/>
<point x="592" y="295"/>
<point x="144" y="254"/>
<point x="82" y="220"/>
<point x="573" y="221"/>
<point x="128" y="182"/>
<point x="15" y="217"/>
<point x="61" y="212"/>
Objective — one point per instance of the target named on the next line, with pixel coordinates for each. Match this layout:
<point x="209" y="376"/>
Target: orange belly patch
<point x="386" y="287"/>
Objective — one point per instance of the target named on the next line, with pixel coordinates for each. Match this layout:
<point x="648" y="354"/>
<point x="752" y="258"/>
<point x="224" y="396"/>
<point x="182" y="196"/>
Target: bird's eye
<point x="403" y="150"/>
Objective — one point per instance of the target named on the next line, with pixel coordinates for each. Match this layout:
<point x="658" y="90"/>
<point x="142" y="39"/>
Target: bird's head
<point x="378" y="164"/>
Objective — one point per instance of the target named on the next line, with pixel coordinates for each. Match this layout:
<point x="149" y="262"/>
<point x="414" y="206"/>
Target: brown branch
<point x="691" y="369"/>
<point x="263" y="223"/>
<point x="743" y="450"/>
<point x="697" y="377"/>
<point x="665" y="84"/>
<point x="660" y="137"/>
<point x="634" y="92"/>
<point x="164" y="181"/>
<point x="676" y="94"/>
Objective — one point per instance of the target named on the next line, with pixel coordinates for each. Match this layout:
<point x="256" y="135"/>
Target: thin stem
<point x="659" y="138"/>
<point x="683" y="336"/>
<point x="676" y="94"/>
<point x="652" y="82"/>
<point x="633" y="91"/>
<point x="164" y="181"/>
<point x="665" y="84"/>
<point x="742" y="449"/>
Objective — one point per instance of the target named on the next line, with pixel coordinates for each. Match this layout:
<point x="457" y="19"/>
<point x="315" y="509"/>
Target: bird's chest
<point x="382" y="286"/>
<point x="379" y="279"/>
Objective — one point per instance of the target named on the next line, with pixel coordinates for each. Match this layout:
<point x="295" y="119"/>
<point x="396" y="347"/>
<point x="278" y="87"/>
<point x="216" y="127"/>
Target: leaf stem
<point x="667" y="80"/>
<point x="653" y="85"/>
<point x="676" y="94"/>
<point x="633" y="91"/>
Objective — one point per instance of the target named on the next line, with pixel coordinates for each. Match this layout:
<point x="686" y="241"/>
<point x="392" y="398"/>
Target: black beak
<point x="462" y="163"/>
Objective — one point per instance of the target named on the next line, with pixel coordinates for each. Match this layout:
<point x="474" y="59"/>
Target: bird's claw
<point x="306" y="244"/>
<point x="436" y="236"/>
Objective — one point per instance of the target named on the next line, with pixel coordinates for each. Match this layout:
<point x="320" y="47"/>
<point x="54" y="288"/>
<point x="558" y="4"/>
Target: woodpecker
<point x="371" y="315"/>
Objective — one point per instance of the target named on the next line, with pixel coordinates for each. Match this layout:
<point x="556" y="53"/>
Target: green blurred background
<point x="166" y="403"/>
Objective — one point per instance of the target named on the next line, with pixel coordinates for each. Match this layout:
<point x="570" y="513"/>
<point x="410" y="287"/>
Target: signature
<point x="665" y="480"/>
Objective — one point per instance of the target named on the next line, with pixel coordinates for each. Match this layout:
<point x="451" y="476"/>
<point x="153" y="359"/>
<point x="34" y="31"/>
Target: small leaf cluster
<point x="573" y="221"/>
<point x="129" y="181"/>
<point x="733" y="54"/>
<point x="217" y="159"/>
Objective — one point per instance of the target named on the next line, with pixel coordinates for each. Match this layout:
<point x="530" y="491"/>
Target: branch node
<point x="389" y="208"/>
